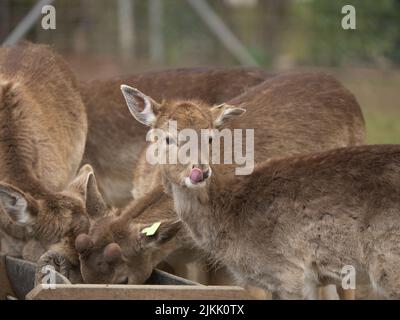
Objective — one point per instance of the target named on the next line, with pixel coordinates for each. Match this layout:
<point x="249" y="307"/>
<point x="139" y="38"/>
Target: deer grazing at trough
<point x="120" y="233"/>
<point x="117" y="250"/>
<point x="114" y="143"/>
<point x="42" y="137"/>
<point x="313" y="121"/>
<point x="113" y="151"/>
<point x="293" y="223"/>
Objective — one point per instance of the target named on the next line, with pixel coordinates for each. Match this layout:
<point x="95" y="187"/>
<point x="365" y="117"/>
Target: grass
<point x="382" y="127"/>
<point x="378" y="92"/>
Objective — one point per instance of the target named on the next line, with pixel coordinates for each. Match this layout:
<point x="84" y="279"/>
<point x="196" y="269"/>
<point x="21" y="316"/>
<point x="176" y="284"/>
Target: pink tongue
<point x="196" y="175"/>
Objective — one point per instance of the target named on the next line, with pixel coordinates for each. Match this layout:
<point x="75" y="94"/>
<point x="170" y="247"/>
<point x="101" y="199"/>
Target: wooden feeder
<point x="17" y="283"/>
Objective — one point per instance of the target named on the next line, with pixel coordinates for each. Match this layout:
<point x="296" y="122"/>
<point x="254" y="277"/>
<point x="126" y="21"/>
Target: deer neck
<point x="19" y="154"/>
<point x="205" y="217"/>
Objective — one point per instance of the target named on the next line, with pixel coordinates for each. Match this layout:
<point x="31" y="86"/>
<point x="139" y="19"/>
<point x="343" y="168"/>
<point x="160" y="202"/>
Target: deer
<point x="295" y="221"/>
<point x="43" y="128"/>
<point x="287" y="118"/>
<point x="115" y="151"/>
<point x="118" y="251"/>
<point x="99" y="252"/>
<point x="110" y="158"/>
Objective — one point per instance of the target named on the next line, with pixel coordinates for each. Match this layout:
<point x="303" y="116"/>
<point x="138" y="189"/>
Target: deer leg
<point x="258" y="293"/>
<point x="54" y="260"/>
<point x="346" y="294"/>
<point x="293" y="284"/>
<point x="328" y="292"/>
<point x="300" y="291"/>
<point x="63" y="258"/>
<point x="384" y="275"/>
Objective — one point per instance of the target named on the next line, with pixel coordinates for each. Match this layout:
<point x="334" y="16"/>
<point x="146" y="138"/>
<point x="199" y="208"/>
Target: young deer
<point x="43" y="130"/>
<point x="337" y="122"/>
<point x="63" y="228"/>
<point x="295" y="222"/>
<point x="114" y="152"/>
<point x="290" y="114"/>
<point x="134" y="255"/>
<point x="116" y="250"/>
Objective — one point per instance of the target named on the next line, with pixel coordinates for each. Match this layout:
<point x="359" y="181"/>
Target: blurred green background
<point x="102" y="38"/>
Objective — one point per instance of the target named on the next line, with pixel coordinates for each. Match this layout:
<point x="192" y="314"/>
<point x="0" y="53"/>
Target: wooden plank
<point x="137" y="292"/>
<point x="5" y="284"/>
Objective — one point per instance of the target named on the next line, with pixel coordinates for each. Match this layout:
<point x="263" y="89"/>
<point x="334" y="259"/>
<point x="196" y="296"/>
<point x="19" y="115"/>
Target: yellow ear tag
<point x="150" y="231"/>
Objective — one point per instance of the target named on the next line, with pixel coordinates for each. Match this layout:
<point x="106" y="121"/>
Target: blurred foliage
<point x="382" y="126"/>
<point x="316" y="34"/>
<point x="305" y="32"/>
<point x="280" y="34"/>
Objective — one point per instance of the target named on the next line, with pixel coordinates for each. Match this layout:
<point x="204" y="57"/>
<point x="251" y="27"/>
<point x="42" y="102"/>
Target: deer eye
<point x="169" y="140"/>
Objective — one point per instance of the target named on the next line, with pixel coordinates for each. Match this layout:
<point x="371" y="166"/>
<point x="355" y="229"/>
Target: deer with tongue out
<point x="237" y="219"/>
<point x="287" y="226"/>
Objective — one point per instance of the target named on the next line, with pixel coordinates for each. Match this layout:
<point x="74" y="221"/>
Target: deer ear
<point x="159" y="232"/>
<point x="142" y="107"/>
<point x="79" y="184"/>
<point x="86" y="186"/>
<point x="224" y="113"/>
<point x="16" y="204"/>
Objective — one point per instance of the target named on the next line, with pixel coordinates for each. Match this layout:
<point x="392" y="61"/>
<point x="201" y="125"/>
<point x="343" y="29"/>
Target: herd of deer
<point x="316" y="201"/>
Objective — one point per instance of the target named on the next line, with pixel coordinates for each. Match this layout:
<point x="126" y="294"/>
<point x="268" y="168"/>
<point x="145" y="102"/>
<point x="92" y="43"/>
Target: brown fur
<point x="105" y="108"/>
<point x="140" y="251"/>
<point x="336" y="121"/>
<point x="296" y="222"/>
<point x="42" y="130"/>
<point x="114" y="142"/>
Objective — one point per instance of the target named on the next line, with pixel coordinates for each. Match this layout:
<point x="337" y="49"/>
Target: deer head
<point x="54" y="215"/>
<point x="178" y="123"/>
<point x="120" y="252"/>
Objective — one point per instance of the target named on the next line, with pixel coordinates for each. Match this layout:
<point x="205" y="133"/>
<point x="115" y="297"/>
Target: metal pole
<point x="126" y="28"/>
<point x="224" y="34"/>
<point x="156" y="31"/>
<point x="26" y="23"/>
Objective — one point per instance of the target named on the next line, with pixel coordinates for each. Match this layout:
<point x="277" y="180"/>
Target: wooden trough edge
<point x="136" y="292"/>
